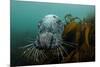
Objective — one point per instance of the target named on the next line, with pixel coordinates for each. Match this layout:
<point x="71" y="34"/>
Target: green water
<point x="25" y="16"/>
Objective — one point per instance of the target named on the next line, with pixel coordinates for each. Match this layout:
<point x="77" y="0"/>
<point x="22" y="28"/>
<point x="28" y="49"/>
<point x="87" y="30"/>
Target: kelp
<point x="84" y="36"/>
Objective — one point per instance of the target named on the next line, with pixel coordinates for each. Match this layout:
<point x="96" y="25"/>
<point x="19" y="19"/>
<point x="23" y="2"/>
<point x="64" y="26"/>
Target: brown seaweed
<point x="84" y="36"/>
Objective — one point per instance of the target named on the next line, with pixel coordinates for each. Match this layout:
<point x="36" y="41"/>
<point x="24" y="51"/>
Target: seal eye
<point x="58" y="22"/>
<point x="54" y="16"/>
